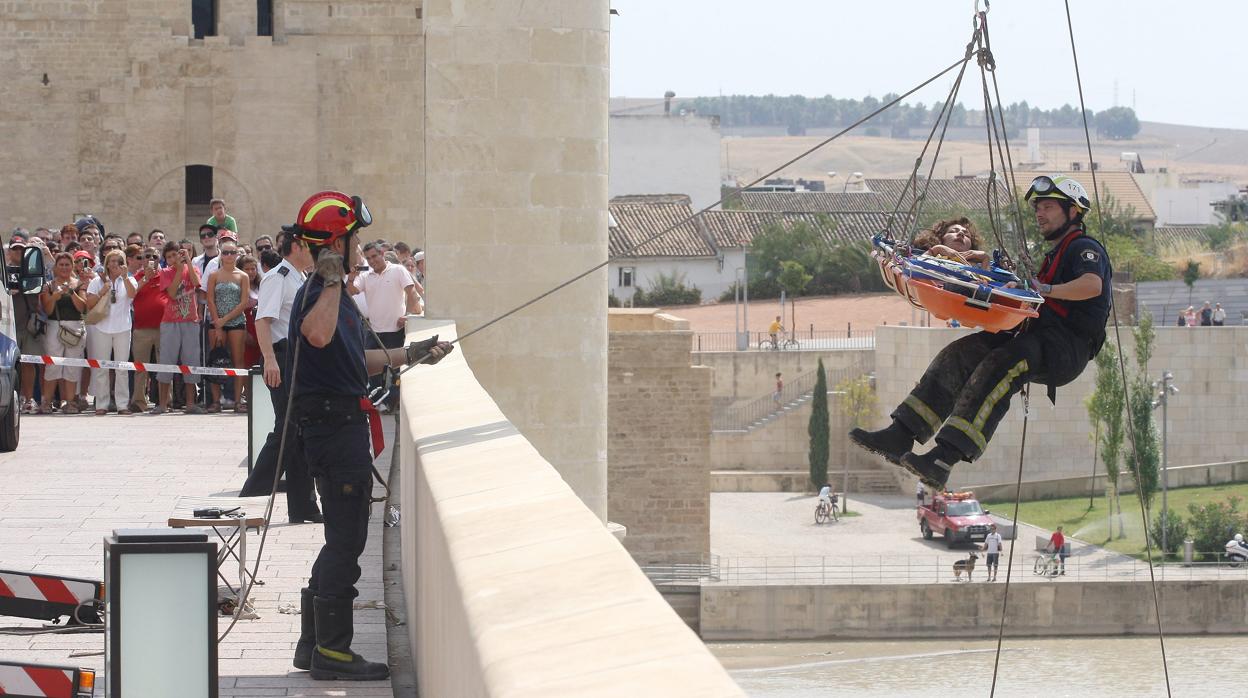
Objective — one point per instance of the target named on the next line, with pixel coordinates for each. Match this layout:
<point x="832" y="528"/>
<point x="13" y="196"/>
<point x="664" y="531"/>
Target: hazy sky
<point x="1179" y="62"/>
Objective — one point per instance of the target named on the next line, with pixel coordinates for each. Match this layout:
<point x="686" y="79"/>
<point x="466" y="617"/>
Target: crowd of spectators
<point x="1209" y="315"/>
<point x="154" y="299"/>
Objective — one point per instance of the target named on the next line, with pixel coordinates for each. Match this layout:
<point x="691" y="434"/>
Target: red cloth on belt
<point x="374" y="425"/>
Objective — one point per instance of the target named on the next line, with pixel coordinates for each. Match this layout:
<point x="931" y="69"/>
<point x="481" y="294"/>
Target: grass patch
<point x="1092" y="524"/>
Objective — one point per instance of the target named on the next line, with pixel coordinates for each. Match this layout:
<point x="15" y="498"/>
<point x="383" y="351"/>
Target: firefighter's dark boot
<point x="933" y="467"/>
<point x="892" y="441"/>
<point x="307" y="631"/>
<point x="333" y="659"/>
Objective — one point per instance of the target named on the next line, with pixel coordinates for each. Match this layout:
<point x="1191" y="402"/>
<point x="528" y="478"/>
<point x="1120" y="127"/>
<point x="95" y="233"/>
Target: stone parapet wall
<point x="513" y="585"/>
<point x="1210" y="366"/>
<point x="938" y="611"/>
<point x="658" y="448"/>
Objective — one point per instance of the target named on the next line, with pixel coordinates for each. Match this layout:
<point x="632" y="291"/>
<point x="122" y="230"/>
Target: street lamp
<point x="1165" y="388"/>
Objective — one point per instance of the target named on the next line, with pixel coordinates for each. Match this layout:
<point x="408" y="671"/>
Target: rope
<point x="1029" y="265"/>
<point x="931" y="170"/>
<point x="946" y="109"/>
<point x="1009" y="563"/>
<point x="1122" y="365"/>
<point x="735" y="192"/>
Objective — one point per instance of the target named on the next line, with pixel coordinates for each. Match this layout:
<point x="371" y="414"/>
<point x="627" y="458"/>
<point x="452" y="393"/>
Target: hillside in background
<point x="1190" y="151"/>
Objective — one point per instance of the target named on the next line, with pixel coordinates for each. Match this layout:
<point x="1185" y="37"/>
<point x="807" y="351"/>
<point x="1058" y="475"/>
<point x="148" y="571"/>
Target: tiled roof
<point x="1121" y="186"/>
<point x="1175" y="235"/>
<point x="652" y="199"/>
<point x="736" y="229"/>
<point x="969" y="194"/>
<point x="636" y="222"/>
<point x="812" y="201"/>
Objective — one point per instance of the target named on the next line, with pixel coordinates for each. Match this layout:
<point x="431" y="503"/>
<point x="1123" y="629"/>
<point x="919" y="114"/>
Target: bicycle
<point x="1046" y="565"/>
<point x="768" y="344"/>
<point x="790" y="344"/>
<point x="825" y="511"/>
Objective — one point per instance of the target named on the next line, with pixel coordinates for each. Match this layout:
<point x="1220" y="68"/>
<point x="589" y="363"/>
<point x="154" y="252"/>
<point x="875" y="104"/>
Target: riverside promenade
<point x="74" y="479"/>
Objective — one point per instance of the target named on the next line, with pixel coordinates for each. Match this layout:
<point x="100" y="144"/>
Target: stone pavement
<point x="772" y="538"/>
<point x="74" y="479"/>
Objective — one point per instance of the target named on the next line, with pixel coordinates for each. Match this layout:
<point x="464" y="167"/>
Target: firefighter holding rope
<point x="330" y="370"/>
<point x="967" y="388"/>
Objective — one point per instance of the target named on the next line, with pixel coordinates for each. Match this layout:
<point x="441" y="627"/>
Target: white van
<point x="26" y="279"/>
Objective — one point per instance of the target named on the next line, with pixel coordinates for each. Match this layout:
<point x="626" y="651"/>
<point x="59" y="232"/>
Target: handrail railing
<point x="745" y="416"/>
<point x="807" y="340"/>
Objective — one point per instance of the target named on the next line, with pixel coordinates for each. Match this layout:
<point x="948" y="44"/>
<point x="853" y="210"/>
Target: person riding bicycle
<point x="775" y="329"/>
<point x="825" y="494"/>
<point x="1058" y="543"/>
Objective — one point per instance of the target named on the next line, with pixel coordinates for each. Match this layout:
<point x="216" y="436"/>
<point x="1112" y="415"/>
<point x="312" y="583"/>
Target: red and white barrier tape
<point x="132" y="366"/>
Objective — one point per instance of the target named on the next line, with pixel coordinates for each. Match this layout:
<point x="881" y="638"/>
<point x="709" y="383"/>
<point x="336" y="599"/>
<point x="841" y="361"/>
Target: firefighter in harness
<point x="336" y="428"/>
<point x="967" y="388"/>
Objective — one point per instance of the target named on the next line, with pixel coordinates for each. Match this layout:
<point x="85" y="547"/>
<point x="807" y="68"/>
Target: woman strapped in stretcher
<point x="955" y="239"/>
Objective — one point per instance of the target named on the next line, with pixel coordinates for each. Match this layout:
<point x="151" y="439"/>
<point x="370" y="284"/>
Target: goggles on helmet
<point x="329" y="215"/>
<point x="1041" y="185"/>
<point x="362" y="216"/>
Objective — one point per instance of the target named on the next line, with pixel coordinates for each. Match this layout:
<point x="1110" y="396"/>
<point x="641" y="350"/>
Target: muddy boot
<point x="892" y="441"/>
<point x="933" y="467"/>
<point x="307" y="631"/>
<point x="333" y="658"/>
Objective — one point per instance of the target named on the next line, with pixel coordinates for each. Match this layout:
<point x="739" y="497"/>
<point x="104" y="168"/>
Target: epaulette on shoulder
<point x="283" y="270"/>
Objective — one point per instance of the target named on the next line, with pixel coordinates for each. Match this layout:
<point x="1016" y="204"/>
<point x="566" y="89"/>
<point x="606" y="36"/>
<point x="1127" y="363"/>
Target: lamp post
<point x="1165" y="388"/>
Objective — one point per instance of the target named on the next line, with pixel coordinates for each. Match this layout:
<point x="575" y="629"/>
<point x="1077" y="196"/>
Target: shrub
<point x="1213" y="523"/>
<point x="667" y="289"/>
<point x="1176" y="532"/>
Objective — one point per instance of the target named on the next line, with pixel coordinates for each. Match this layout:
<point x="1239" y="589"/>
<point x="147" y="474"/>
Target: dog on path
<point x="967" y="566"/>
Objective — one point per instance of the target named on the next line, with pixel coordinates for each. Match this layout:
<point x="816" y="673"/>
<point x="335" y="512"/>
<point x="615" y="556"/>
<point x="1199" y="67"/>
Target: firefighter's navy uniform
<point x="335" y="437"/>
<point x="967" y="388"/>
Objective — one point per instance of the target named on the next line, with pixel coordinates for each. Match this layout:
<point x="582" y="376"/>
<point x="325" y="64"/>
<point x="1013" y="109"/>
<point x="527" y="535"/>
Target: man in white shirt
<point x="992" y="545"/>
<point x="273" y="310"/>
<point x="389" y="294"/>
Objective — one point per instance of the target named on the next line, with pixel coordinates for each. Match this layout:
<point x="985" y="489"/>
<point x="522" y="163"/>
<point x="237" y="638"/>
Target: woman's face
<point x="229" y="254"/>
<point x="116" y="266"/>
<point x="64" y="267"/>
<point x="250" y="270"/>
<point x="957" y="238"/>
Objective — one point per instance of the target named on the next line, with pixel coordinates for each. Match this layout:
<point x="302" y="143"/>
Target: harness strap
<point x="1049" y="271"/>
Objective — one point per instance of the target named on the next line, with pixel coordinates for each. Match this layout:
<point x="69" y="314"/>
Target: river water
<point x="1109" y="666"/>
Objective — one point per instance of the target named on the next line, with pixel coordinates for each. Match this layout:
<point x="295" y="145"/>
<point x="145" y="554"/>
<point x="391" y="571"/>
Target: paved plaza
<point x="74" y="479"/>
<point x="772" y="538"/>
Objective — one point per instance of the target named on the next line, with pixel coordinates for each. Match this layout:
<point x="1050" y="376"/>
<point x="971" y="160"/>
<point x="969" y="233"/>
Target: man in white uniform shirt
<point x="273" y="309"/>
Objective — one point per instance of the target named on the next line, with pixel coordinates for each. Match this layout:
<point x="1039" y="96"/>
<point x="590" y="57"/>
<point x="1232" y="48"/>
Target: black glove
<point x="329" y="268"/>
<point x="417" y="350"/>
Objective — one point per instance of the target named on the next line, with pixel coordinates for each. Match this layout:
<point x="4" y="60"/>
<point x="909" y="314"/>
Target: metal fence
<point x="926" y="569"/>
<point x="808" y="340"/>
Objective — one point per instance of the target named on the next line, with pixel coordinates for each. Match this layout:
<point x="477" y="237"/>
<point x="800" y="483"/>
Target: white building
<point x="656" y="152"/>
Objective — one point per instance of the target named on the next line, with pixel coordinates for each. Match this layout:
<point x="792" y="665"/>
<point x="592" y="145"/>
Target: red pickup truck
<point x="955" y="515"/>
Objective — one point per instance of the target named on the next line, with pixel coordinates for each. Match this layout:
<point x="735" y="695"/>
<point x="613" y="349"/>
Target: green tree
<point x="1145" y="457"/>
<point x="1105" y="408"/>
<point x="818" y="430"/>
<point x="1118" y="123"/>
<point x="1191" y="274"/>
<point x="1213" y="523"/>
<point x="858" y="401"/>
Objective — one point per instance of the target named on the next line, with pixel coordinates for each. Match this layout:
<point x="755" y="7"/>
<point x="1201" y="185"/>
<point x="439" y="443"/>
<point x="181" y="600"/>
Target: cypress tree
<point x="818" y="430"/>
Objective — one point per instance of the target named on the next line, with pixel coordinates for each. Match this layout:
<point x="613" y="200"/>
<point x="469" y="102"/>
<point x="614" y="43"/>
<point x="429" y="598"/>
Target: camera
<point x="213" y="512"/>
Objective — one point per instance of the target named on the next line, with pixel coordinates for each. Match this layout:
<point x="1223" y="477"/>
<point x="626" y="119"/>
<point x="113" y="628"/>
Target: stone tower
<point x="516" y="202"/>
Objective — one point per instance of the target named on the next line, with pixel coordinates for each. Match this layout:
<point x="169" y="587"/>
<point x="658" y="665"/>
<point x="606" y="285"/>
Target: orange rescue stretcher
<point x="992" y="299"/>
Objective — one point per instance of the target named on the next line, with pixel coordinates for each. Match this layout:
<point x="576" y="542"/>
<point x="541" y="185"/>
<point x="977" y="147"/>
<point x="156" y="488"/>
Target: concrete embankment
<point x="880" y="611"/>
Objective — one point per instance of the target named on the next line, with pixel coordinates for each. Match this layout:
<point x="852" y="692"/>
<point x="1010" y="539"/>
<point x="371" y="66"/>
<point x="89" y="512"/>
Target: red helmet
<point x="329" y="215"/>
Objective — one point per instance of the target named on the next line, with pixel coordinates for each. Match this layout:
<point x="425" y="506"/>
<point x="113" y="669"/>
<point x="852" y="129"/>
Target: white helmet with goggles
<point x="1062" y="188"/>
